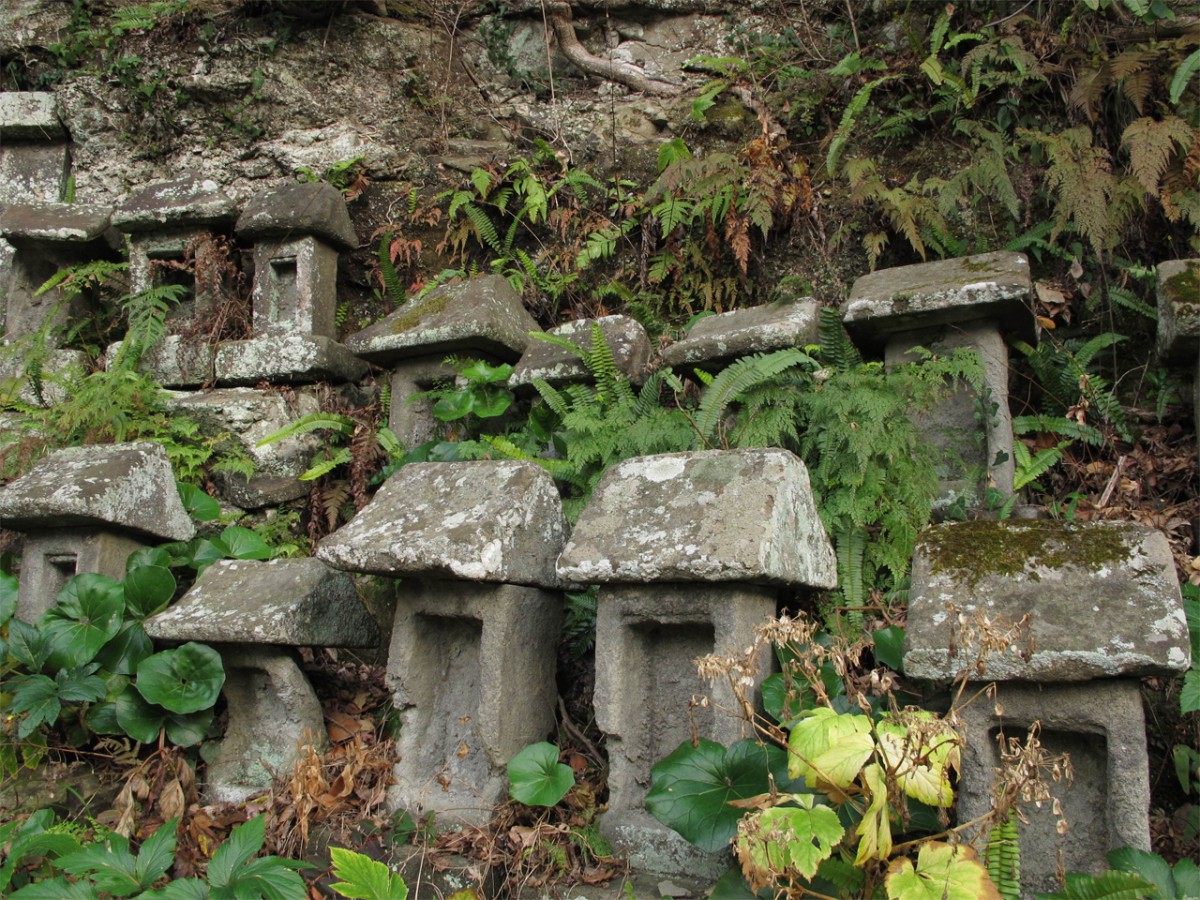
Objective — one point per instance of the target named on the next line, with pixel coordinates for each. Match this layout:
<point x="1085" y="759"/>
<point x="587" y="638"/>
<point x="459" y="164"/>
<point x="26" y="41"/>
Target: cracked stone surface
<point x="994" y="286"/>
<point x="491" y="520"/>
<point x="626" y="338"/>
<point x="480" y="315"/>
<point x="297" y="358"/>
<point x="716" y="340"/>
<point x="716" y="515"/>
<point x="295" y="209"/>
<point x="130" y="486"/>
<point x="293" y="602"/>
<point x="1103" y="598"/>
<point x="61" y="222"/>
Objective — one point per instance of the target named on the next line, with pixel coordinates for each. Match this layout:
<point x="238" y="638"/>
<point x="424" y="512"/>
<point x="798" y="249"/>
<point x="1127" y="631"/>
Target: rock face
<point x="128" y="486"/>
<point x="480" y="315"/>
<point x="718" y="515"/>
<point x="1118" y="578"/>
<point x="716" y="340"/>
<point x="490" y="521"/>
<point x="291" y="602"/>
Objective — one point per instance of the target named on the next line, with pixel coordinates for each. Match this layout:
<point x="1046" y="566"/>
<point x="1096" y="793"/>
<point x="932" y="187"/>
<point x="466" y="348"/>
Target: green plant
<point x="1071" y="387"/>
<point x="364" y="878"/>
<point x="537" y="778"/>
<point x="1134" y="873"/>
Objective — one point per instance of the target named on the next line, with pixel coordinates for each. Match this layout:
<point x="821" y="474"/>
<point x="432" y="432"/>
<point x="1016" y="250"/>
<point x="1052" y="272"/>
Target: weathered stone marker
<point x="481" y="317"/>
<point x="943" y="306"/>
<point x="715" y="341"/>
<point x="297" y="230"/>
<point x="1178" y="339"/>
<point x="472" y="656"/>
<point x="1105" y="608"/>
<point x="253" y="613"/>
<point x="691" y="550"/>
<point x="85" y="509"/>
<point x="556" y="365"/>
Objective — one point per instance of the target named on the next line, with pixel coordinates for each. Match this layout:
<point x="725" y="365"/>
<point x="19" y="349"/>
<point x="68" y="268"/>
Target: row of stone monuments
<point x="692" y="551"/>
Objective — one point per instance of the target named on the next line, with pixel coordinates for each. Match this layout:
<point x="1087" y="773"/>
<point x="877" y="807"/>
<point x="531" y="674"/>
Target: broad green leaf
<point x="1148" y="865"/>
<point x="537" y="778"/>
<point x="788" y="841"/>
<point x="148" y="589"/>
<point x="87" y="614"/>
<point x="187" y="730"/>
<point x="80" y="684"/>
<point x="55" y="889"/>
<point x="203" y="552"/>
<point x="943" y="872"/>
<point x="8" y="596"/>
<point x="102" y="718"/>
<point x="156" y="853"/>
<point x="241" y="845"/>
<point x="889" y="647"/>
<point x="492" y="403"/>
<point x="1189" y="697"/>
<point x="242" y="543"/>
<point x="1187" y="878"/>
<point x="829" y="747"/>
<point x="27" y="645"/>
<point x="199" y="505"/>
<point x="691" y="788"/>
<point x="482" y="372"/>
<point x="154" y="556"/>
<point x="183" y="680"/>
<point x="454" y="406"/>
<point x="37" y="697"/>
<point x="732" y="886"/>
<point x="108" y="864"/>
<point x="130" y="645"/>
<point x="875" y="829"/>
<point x="140" y="720"/>
<point x="363" y="878"/>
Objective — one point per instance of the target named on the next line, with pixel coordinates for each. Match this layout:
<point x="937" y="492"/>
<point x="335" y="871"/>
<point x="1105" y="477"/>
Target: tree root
<point x="633" y="77"/>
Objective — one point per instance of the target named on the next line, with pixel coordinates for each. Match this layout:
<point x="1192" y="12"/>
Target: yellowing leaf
<point x="875" y="829"/>
<point x="920" y="750"/>
<point x="787" y="841"/>
<point x="829" y="747"/>
<point x="943" y="872"/>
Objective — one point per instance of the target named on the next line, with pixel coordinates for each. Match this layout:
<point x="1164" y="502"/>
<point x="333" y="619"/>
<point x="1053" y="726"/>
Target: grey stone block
<point x="248" y="416"/>
<point x="647" y="641"/>
<point x="295" y="210"/>
<point x="716" y="340"/>
<point x="471" y="668"/>
<point x="1099" y="723"/>
<point x="716" y="515"/>
<point x="480" y="315"/>
<point x="272" y="712"/>
<point x="286" y="358"/>
<point x="31" y="171"/>
<point x="23" y="223"/>
<point x="990" y="286"/>
<point x="59" y="368"/>
<point x="174" y="362"/>
<point x="1118" y="578"/>
<point x="293" y="602"/>
<point x="295" y="287"/>
<point x="412" y="420"/>
<point x="49" y="559"/>
<point x="1178" y="339"/>
<point x="29" y="116"/>
<point x="188" y="200"/>
<point x="971" y="430"/>
<point x="491" y="520"/>
<point x="128" y="486"/>
<point x="626" y="338"/>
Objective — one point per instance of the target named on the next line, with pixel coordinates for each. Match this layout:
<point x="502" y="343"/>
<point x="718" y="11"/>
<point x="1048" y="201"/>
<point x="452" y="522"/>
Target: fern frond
<point x="735" y="380"/>
<point x="485" y="229"/>
<point x="388" y="273"/>
<point x="343" y="425"/>
<point x="1061" y="426"/>
<point x="1151" y="144"/>
<point x="327" y="465"/>
<point x="836" y="350"/>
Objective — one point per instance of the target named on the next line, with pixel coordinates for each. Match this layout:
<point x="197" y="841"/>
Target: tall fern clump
<point x="874" y="474"/>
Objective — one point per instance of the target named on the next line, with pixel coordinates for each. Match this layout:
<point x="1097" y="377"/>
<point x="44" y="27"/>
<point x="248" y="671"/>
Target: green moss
<point x="1183" y="289"/>
<point x="975" y="550"/>
<point x="979" y="266"/>
<point x="414" y="317"/>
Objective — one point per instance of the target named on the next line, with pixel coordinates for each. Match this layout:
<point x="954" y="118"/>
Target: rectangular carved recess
<point x="169" y="269"/>
<point x="670" y="651"/>
<point x="284" y="293"/>
<point x="60" y="568"/>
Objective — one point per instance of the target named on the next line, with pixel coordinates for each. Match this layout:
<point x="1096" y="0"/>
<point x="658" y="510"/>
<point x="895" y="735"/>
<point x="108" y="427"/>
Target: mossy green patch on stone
<point x="975" y="550"/>
<point x="414" y="317"/>
<point x="974" y="265"/>
<point x="1183" y="288"/>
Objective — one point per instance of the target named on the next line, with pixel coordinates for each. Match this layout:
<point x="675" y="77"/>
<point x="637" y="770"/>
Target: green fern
<point x="317" y="421"/>
<point x="733" y="383"/>
<point x="387" y="272"/>
<point x="1003" y="858"/>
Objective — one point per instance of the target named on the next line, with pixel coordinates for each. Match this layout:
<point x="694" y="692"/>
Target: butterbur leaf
<point x="943" y="872"/>
<point x="88" y="613"/>
<point x="155" y="556"/>
<point x="691" y="788"/>
<point x="184" y="680"/>
<point x="140" y="720"/>
<point x="363" y="878"/>
<point x="190" y="729"/>
<point x="1189" y="697"/>
<point x="129" y="646"/>
<point x="537" y="778"/>
<point x="889" y="647"/>
<point x="8" y="596"/>
<point x="242" y="543"/>
<point x="199" y="505"/>
<point x="148" y="589"/>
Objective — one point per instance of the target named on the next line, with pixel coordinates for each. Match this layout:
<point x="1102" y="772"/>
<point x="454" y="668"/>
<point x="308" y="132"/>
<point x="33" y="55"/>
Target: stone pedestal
<point x="715" y="341"/>
<point x="967" y="303"/>
<point x="49" y="559"/>
<point x="35" y="160"/>
<point x="690" y="550"/>
<point x="472" y="671"/>
<point x="1104" y="606"/>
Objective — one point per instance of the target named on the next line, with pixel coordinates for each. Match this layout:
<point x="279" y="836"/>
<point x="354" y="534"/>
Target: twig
<point x="573" y="730"/>
<point x="1113" y="481"/>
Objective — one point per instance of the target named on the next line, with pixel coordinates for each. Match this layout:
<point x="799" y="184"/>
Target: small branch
<point x="579" y="56"/>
